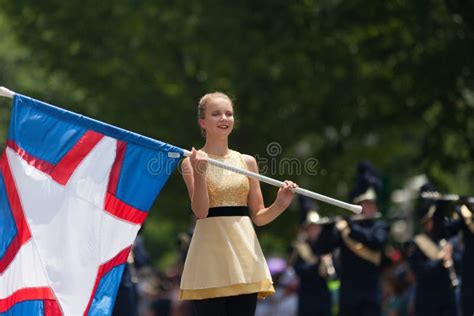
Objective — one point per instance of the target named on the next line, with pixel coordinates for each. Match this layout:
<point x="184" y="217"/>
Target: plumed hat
<point x="368" y="183"/>
<point x="427" y="207"/>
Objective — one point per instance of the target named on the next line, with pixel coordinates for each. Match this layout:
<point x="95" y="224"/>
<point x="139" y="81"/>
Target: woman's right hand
<point x="198" y="160"/>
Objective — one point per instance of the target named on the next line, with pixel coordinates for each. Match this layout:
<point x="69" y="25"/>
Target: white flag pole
<point x="357" y="209"/>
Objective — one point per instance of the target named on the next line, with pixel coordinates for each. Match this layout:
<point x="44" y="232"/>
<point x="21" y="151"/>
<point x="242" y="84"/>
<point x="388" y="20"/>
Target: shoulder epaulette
<point x="467" y="217"/>
<point x="360" y="249"/>
<point x="305" y="252"/>
<point x="427" y="246"/>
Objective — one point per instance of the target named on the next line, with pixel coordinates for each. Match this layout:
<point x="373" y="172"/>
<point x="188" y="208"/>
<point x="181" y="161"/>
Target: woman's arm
<point x="260" y="214"/>
<point x="194" y="175"/>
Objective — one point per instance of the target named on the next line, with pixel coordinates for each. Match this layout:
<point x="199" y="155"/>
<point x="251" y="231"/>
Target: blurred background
<point x="330" y="82"/>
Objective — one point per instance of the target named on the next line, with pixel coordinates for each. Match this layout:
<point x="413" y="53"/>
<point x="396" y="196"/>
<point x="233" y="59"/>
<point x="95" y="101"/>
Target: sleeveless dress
<point x="224" y="257"/>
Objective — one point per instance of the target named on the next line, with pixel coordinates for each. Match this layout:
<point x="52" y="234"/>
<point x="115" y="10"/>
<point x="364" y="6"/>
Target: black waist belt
<point x="228" y="211"/>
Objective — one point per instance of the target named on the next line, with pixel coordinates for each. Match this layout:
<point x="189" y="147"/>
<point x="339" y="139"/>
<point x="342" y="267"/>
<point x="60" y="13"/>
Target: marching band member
<point x="314" y="298"/>
<point x="361" y="246"/>
<point x="465" y="225"/>
<point x="431" y="259"/>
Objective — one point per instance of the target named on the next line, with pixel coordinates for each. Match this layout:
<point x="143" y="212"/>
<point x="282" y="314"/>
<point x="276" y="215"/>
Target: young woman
<point x="225" y="270"/>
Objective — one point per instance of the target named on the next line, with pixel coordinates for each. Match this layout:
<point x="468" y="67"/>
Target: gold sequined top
<point x="225" y="187"/>
<point x="225" y="257"/>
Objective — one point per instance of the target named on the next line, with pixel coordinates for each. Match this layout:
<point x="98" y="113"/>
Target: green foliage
<point x="339" y="81"/>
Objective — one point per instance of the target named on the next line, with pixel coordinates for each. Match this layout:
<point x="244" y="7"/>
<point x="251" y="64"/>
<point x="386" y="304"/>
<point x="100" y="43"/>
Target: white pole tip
<point x="356" y="209"/>
<point x="4" y="92"/>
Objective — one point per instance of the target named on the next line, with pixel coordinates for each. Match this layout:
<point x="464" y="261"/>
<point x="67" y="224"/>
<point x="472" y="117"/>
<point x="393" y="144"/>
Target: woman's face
<point x="219" y="117"/>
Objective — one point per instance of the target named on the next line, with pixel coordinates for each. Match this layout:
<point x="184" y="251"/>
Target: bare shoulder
<point x="248" y="158"/>
<point x="250" y="161"/>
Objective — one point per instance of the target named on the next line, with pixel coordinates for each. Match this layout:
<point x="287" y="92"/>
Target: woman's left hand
<point x="285" y="194"/>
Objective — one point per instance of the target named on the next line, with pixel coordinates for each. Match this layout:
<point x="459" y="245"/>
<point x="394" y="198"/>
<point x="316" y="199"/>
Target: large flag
<point x="73" y="195"/>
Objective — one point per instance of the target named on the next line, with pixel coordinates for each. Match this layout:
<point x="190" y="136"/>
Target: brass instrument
<point x="449" y="265"/>
<point x="436" y="196"/>
<point x="328" y="263"/>
<point x="454" y="199"/>
<point x="450" y="206"/>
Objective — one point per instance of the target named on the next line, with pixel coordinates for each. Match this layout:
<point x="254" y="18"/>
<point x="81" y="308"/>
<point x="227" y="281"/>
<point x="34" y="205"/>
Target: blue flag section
<point x="73" y="194"/>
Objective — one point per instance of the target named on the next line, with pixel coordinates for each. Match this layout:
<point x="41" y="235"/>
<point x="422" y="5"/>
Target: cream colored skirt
<point x="225" y="259"/>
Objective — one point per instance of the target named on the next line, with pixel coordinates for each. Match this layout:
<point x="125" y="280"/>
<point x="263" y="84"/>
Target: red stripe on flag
<point x="23" y="231"/>
<point x="51" y="308"/>
<point x="123" y="211"/>
<point x="10" y="253"/>
<point x="65" y="168"/>
<point x="116" y="167"/>
<point x="27" y="294"/>
<point x="105" y="268"/>
<point x="39" y="164"/>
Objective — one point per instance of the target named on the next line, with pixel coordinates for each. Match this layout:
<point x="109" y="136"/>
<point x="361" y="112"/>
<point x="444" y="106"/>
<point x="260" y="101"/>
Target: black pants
<point x="436" y="306"/>
<point x="363" y="308"/>
<point x="467" y="300"/>
<point x="240" y="305"/>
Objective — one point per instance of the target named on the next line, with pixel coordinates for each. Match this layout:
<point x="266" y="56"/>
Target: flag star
<point x="71" y="234"/>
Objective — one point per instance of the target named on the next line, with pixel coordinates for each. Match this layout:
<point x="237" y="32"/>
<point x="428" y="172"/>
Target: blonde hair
<point x="203" y="102"/>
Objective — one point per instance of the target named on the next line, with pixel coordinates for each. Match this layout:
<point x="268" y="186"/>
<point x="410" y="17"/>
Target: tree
<point x="333" y="80"/>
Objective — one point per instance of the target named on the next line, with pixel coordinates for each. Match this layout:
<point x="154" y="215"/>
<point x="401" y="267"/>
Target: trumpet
<point x="436" y="196"/>
<point x="449" y="205"/>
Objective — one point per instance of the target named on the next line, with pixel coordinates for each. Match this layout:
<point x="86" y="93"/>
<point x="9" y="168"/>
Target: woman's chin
<point x="224" y="132"/>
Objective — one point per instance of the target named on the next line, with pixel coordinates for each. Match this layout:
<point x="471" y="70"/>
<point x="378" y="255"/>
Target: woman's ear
<point x="202" y="123"/>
